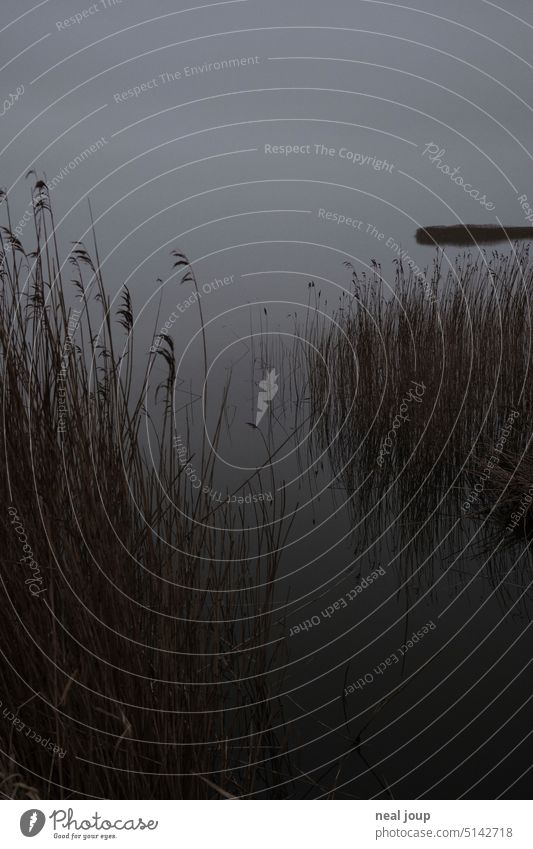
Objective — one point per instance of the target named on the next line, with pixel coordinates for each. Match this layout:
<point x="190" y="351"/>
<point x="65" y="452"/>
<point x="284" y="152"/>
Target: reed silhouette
<point x="144" y="655"/>
<point x="464" y="335"/>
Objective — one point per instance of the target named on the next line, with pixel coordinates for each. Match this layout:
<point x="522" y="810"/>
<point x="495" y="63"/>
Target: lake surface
<point x="253" y="173"/>
<point x="414" y="683"/>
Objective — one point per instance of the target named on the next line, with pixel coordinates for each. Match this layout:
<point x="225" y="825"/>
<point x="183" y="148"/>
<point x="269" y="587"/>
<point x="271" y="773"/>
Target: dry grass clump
<point x="464" y="335"/>
<point x="508" y="494"/>
<point x="146" y="665"/>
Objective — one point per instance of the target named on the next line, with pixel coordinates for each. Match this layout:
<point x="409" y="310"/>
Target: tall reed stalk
<point x="144" y="656"/>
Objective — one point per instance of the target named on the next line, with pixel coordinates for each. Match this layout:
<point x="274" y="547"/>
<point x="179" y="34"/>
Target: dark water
<point x="275" y="144"/>
<point x="417" y="683"/>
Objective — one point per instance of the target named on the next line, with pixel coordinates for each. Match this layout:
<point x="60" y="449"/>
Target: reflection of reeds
<point x="469" y="345"/>
<point x="508" y="495"/>
<point x="145" y="663"/>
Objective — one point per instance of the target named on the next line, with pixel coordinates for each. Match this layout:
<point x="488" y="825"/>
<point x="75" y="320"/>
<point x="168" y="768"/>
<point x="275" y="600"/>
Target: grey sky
<point x="477" y="110"/>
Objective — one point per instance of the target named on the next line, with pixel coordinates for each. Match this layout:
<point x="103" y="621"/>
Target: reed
<point x="463" y="335"/>
<point x="142" y="653"/>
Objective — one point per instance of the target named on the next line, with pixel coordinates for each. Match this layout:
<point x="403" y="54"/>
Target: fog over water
<point x="249" y="165"/>
<point x="373" y="79"/>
